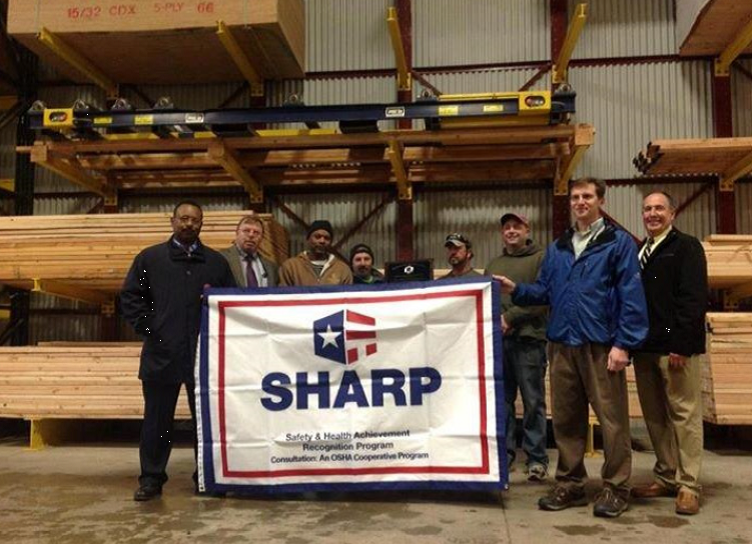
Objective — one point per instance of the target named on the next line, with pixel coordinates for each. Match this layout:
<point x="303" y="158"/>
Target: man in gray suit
<point x="248" y="266"/>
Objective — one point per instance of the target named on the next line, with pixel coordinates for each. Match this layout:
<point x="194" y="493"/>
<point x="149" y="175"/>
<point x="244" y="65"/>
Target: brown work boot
<point x="687" y="502"/>
<point x="650" y="491"/>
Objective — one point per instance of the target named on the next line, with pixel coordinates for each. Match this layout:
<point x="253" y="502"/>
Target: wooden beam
<point x="738" y="170"/>
<point x="584" y="137"/>
<point x="228" y="160"/>
<point x="74" y="292"/>
<point x="69" y="169"/>
<point x="458" y="137"/>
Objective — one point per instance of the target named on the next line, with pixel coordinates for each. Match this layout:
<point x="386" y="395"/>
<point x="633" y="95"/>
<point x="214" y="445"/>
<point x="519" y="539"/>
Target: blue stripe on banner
<point x="370" y="486"/>
<point x="501" y="406"/>
<point x="203" y="399"/>
<point x="211" y="486"/>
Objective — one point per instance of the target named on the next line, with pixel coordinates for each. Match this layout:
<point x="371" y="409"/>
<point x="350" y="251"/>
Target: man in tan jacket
<point x="316" y="265"/>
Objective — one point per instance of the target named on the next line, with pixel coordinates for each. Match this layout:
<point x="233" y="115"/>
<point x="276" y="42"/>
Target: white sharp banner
<point x="395" y="386"/>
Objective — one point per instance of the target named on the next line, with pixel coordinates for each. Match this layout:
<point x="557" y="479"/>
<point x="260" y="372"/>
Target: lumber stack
<point x="92" y="253"/>
<point x="73" y="382"/>
<point x="701" y="156"/>
<point x="727" y="369"/>
<point x="164" y="42"/>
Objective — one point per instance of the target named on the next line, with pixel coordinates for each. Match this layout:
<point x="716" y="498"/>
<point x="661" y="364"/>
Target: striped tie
<point x="646" y="253"/>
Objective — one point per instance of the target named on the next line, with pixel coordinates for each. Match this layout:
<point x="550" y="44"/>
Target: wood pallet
<point x="87" y="256"/>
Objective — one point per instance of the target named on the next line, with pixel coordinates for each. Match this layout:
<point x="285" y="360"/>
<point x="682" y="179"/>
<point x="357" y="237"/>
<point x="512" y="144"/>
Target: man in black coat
<point x="161" y="299"/>
<point x="667" y="369"/>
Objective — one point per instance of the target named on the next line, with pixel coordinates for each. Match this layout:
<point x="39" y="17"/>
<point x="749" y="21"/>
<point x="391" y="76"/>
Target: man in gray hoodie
<point x="524" y="332"/>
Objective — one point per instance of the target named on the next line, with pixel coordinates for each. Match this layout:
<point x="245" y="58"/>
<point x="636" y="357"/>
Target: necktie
<point x="250" y="275"/>
<point x="646" y="253"/>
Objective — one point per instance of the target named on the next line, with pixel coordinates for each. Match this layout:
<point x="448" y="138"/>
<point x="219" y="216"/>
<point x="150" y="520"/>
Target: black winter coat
<point x="675" y="279"/>
<point x="161" y="299"/>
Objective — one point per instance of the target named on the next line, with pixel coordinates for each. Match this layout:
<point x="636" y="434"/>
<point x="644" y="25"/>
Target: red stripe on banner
<point x="370" y="349"/>
<point x="484" y="468"/>
<point x="221" y="385"/>
<point x="354" y="317"/>
<point x="481" y="379"/>
<point x="354" y="471"/>
<point x="352" y="355"/>
<point x="359" y="335"/>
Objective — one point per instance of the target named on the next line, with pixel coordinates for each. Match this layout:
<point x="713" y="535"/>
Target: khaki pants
<point x="579" y="376"/>
<point x="671" y="401"/>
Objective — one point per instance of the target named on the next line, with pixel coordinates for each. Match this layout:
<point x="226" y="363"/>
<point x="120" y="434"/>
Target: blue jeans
<point x="525" y="369"/>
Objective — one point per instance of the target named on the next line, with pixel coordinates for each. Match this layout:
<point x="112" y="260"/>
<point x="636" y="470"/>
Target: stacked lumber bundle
<point x="165" y="42"/>
<point x="706" y="156"/>
<point x="727" y="369"/>
<point x="75" y="381"/>
<point x="729" y="261"/>
<point x="94" y="252"/>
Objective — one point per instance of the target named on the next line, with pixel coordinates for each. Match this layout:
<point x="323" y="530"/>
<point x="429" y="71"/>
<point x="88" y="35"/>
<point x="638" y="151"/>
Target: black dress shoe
<point x="147" y="492"/>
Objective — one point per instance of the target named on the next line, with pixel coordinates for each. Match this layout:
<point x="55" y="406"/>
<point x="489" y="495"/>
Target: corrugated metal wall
<point x="630" y="105"/>
<point x="741" y="88"/>
<point x="344" y="35"/>
<point x="492" y="80"/>
<point x="476" y="214"/>
<point x="616" y="28"/>
<point x="624" y="203"/>
<point x="456" y="33"/>
<point x="344" y="211"/>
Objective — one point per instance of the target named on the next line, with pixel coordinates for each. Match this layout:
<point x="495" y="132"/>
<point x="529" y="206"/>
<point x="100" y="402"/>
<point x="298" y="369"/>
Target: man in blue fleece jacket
<point x="590" y="278"/>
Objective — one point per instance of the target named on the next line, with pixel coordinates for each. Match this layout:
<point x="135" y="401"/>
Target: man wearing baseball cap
<point x="317" y="265"/>
<point x="361" y="263"/>
<point x="460" y="256"/>
<point x="524" y="332"/>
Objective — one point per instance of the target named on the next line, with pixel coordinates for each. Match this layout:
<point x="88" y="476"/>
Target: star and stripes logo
<point x="343" y="336"/>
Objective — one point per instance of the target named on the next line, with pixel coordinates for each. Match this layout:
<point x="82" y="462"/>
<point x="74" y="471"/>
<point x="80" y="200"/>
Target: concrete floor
<point x="83" y="494"/>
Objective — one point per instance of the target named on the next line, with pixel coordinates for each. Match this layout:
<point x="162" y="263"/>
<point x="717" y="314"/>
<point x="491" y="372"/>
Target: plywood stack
<point x="140" y="41"/>
<point x="727" y="369"/>
<point x="74" y="381"/>
<point x="94" y="252"/>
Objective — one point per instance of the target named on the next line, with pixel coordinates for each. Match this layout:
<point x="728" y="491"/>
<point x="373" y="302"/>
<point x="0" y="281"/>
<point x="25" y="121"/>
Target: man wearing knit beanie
<point x="316" y="265"/>
<point x="361" y="263"/>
